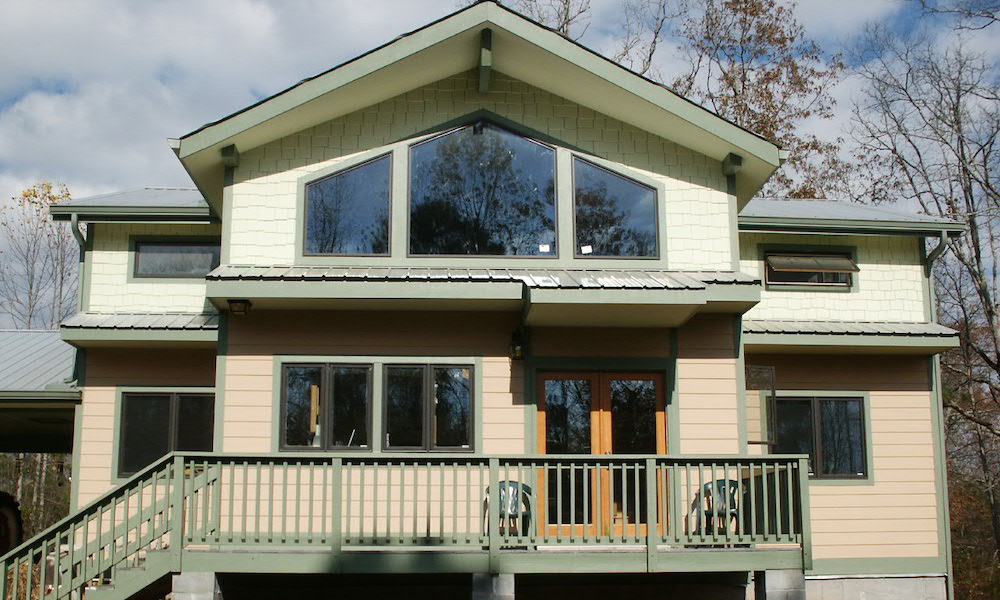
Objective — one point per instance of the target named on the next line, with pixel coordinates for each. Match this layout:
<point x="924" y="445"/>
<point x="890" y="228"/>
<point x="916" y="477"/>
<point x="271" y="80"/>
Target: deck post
<point x="189" y="585"/>
<point x="177" y="511"/>
<point x="336" y="526"/>
<point x="492" y="586"/>
<point x="652" y="516"/>
<point x="493" y="514"/>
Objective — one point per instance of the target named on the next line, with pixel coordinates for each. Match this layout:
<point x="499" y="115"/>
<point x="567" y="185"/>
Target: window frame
<point x="136" y="241"/>
<point x="815" y="398"/>
<point x="326" y="390"/>
<point x="411" y="144"/>
<point x="851" y="252"/>
<point x="174" y="393"/>
<point x="314" y="178"/>
<point x="574" y="156"/>
<point x="427" y="429"/>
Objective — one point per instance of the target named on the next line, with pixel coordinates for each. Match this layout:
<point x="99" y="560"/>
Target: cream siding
<point x="894" y="515"/>
<point x="264" y="198"/>
<point x="707" y="371"/>
<point x="890" y="285"/>
<point x="112" y="287"/>
<point x="107" y="370"/>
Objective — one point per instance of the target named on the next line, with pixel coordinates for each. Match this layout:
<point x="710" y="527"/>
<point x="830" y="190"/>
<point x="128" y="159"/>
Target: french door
<point x="604" y="413"/>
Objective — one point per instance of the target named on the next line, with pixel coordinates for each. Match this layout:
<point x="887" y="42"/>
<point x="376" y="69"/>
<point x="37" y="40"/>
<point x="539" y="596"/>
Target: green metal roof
<point x="34" y="360"/>
<point x="159" y="203"/>
<point x="773" y="214"/>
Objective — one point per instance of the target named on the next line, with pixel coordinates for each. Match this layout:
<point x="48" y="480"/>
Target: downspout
<point x="74" y="226"/>
<point x="934" y="254"/>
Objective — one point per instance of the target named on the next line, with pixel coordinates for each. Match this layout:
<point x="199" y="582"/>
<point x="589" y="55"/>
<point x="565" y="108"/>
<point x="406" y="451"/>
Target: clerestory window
<point x="481" y="190"/>
<point x="347" y="213"/>
<point x="615" y="215"/>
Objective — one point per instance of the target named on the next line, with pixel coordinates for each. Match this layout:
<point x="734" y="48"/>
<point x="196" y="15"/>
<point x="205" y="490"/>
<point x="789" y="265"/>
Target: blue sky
<point x="91" y="89"/>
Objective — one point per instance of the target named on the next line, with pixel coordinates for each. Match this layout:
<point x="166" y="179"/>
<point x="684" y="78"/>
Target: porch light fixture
<point x="239" y="307"/>
<point x="517" y="345"/>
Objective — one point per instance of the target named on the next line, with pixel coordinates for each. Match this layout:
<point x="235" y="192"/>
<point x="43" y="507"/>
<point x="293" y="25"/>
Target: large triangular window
<point x="481" y="190"/>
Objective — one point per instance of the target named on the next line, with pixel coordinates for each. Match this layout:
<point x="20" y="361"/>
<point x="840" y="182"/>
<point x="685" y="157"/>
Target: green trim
<point x="848" y="226"/>
<point x="221" y="358"/>
<point x="941" y="471"/>
<point x="41" y="396"/>
<point x="135" y="214"/>
<point x="878" y="566"/>
<point x="365" y="290"/>
<point x="87" y="273"/>
<point x="228" y="181"/>
<point x="869" y="478"/>
<point x="134" y="240"/>
<point x="377" y="405"/>
<point x="85" y="336"/>
<point x="847" y="341"/>
<point x="117" y="423"/>
<point x="741" y="385"/>
<point x="74" y="484"/>
<point x="673" y="400"/>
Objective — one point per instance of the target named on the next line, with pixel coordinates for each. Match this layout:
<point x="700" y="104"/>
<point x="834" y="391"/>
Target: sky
<point x="90" y="90"/>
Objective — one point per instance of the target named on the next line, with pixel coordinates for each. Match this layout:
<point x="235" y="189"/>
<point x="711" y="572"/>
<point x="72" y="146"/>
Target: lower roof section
<point x="779" y="336"/>
<point x="551" y="297"/>
<point x="120" y="329"/>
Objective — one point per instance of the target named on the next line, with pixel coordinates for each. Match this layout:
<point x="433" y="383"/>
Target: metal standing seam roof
<point x="533" y="278"/>
<point x="30" y="360"/>
<point x="821" y="209"/>
<point x="148" y="321"/>
<point x="150" y="197"/>
<point x="859" y="328"/>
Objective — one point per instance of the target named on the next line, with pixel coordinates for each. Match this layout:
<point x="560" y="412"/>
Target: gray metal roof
<point x="150" y="321"/>
<point x="30" y="360"/>
<point x="817" y="210"/>
<point x="535" y="278"/>
<point x="861" y="328"/>
<point x="151" y="197"/>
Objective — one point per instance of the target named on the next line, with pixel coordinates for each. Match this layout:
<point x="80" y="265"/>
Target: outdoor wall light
<point x="517" y="345"/>
<point x="239" y="307"/>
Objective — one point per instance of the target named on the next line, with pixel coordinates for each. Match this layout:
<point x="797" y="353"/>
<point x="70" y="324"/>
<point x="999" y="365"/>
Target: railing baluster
<point x="336" y="489"/>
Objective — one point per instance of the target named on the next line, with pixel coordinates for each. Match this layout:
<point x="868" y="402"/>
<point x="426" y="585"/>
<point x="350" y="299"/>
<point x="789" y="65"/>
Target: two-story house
<point x="482" y="312"/>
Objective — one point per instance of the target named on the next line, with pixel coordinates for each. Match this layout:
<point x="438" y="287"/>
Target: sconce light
<point x="239" y="307"/>
<point x="517" y="343"/>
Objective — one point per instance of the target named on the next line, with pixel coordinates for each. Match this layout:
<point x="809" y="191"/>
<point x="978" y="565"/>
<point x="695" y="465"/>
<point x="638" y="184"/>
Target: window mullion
<point x="429" y="399"/>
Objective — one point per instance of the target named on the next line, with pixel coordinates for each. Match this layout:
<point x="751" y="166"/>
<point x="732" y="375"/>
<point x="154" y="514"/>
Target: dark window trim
<point x="656" y="212"/>
<point x="326" y="416"/>
<point x="305" y="209"/>
<point x="472" y="122"/>
<point x="817" y="433"/>
<point x="171" y="425"/>
<point x="769" y="271"/>
<point x="428" y="408"/>
<point x="136" y="241"/>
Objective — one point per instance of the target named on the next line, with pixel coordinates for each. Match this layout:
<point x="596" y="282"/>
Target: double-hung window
<point x="153" y="424"/>
<point x="830" y="430"/>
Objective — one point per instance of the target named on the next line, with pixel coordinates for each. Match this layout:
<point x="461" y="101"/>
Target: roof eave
<point x="849" y="226"/>
<point x="111" y="214"/>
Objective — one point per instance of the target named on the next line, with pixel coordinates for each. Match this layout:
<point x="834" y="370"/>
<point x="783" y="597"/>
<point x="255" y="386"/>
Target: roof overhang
<point x="118" y="214"/>
<point x="521" y="49"/>
<point x="849" y="227"/>
<point x="37" y="420"/>
<point x="94" y="330"/>
<point x="544" y="297"/>
<point x="805" y="337"/>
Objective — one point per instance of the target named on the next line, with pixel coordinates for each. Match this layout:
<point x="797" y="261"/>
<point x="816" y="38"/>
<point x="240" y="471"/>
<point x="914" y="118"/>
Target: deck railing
<point x="352" y="502"/>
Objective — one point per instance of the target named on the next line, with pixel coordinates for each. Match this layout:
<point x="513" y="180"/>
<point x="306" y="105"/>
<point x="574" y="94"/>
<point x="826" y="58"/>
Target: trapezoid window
<point x="482" y="191"/>
<point x="615" y="216"/>
<point x="348" y="212"/>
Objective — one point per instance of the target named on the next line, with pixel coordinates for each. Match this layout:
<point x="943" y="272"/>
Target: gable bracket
<point x="230" y="156"/>
<point x="485" y="60"/>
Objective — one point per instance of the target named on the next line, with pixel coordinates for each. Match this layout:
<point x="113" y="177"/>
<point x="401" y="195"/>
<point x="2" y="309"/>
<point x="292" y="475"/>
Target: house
<point x="483" y="313"/>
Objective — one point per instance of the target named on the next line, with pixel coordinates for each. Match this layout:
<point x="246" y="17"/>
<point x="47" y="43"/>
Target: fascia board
<point x="132" y="213"/>
<point x="85" y="336"/>
<point x="792" y="225"/>
<point x="788" y="343"/>
<point x="52" y="398"/>
<point x="360" y="290"/>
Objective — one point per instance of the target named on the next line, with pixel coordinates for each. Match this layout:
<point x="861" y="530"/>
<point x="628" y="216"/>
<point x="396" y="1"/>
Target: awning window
<point x="812" y="263"/>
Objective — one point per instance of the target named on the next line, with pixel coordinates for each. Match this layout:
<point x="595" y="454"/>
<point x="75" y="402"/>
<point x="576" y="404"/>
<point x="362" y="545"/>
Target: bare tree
<point x="928" y="122"/>
<point x="571" y="18"/>
<point x="645" y="25"/>
<point x="971" y="14"/>
<point x="38" y="260"/>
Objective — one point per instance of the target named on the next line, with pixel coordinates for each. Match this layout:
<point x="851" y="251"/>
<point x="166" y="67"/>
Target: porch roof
<point x="782" y="336"/>
<point x="159" y="203"/>
<point x="95" y="329"/>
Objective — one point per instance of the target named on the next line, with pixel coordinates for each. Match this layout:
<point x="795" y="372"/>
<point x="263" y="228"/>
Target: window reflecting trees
<point x="348" y="212"/>
<point x="615" y="216"/>
<point x="481" y="190"/>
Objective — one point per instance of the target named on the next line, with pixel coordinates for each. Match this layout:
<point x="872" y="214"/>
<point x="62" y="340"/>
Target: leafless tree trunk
<point x="570" y="18"/>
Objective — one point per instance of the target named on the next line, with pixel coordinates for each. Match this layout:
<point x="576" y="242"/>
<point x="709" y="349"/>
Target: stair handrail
<point x="113" y="492"/>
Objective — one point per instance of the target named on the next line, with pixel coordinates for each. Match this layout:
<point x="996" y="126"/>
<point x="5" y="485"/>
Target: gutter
<point x="74" y="226"/>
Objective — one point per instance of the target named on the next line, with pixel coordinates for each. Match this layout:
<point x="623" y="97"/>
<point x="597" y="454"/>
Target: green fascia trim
<point x="365" y="290"/>
<point x="935" y="565"/>
<point x="133" y="213"/>
<point x="84" y="336"/>
<point x="932" y="344"/>
<point x="796" y="225"/>
<point x="41" y="397"/>
<point x="487" y="15"/>
<point x="617" y="296"/>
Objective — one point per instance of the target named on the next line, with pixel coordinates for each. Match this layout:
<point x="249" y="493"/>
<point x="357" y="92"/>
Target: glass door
<point x="598" y="414"/>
